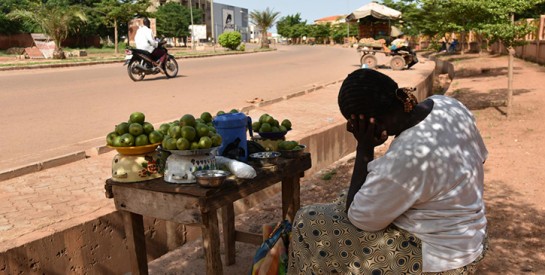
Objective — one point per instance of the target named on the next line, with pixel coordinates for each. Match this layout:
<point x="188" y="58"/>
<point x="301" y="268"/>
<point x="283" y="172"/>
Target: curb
<point x="95" y="151"/>
<point x="66" y="65"/>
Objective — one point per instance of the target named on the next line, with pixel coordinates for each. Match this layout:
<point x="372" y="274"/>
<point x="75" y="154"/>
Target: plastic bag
<point x="237" y="168"/>
<point x="272" y="257"/>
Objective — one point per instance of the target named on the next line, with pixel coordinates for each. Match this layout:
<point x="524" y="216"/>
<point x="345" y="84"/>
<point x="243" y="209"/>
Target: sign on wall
<point x="228" y="20"/>
<point x="199" y="31"/>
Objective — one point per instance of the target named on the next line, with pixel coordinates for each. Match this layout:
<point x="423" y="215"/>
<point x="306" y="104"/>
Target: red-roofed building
<point x="334" y="19"/>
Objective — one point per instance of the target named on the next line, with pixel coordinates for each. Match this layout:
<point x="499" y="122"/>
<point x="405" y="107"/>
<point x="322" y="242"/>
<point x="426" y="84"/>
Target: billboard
<point x="228" y="20"/>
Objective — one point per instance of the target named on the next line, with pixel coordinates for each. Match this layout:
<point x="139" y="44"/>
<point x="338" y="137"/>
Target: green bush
<point x="230" y="40"/>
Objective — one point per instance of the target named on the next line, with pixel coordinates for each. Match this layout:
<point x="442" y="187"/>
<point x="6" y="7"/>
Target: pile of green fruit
<point x="268" y="124"/>
<point x="289" y="145"/>
<point x="190" y="133"/>
<point x="135" y="132"/>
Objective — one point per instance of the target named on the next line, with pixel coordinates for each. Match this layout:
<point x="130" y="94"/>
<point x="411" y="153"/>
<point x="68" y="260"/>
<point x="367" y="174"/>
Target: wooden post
<point x="290" y="197"/>
<point x="211" y="243"/>
<point x="228" y="221"/>
<point x="136" y="242"/>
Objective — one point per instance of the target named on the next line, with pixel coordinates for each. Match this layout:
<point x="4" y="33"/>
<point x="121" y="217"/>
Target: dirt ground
<point x="514" y="178"/>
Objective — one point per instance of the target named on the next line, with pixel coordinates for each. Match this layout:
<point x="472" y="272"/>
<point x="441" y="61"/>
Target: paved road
<point x="51" y="112"/>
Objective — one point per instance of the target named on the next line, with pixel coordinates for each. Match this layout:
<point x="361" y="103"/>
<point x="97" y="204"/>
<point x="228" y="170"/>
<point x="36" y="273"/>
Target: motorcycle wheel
<point x="170" y="67"/>
<point x="134" y="73"/>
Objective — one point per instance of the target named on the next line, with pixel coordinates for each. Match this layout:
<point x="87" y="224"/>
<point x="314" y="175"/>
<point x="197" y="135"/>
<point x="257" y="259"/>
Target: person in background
<point x="419" y="208"/>
<point x="144" y="37"/>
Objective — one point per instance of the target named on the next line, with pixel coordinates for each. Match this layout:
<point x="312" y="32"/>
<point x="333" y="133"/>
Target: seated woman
<point x="416" y="210"/>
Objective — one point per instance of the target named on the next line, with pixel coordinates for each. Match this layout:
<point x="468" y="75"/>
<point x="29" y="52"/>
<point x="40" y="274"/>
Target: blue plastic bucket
<point x="232" y="129"/>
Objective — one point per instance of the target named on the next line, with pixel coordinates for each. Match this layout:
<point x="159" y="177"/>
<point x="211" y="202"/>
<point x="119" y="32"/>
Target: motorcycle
<point x="141" y="63"/>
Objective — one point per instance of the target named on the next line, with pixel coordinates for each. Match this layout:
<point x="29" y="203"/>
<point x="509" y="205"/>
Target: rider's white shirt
<point x="144" y="39"/>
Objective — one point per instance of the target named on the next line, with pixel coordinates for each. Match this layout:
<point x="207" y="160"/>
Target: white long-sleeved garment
<point x="430" y="183"/>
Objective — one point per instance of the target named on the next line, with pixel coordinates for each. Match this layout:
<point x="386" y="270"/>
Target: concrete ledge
<point x="35" y="167"/>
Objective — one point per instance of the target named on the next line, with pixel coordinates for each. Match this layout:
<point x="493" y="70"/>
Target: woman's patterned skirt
<point x="323" y="241"/>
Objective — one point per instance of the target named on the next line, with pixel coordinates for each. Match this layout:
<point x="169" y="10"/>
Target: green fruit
<point x="207" y="117"/>
<point x="286" y="123"/>
<point x="256" y="125"/>
<point x="137" y="117"/>
<point x="205" y="142"/>
<point x="122" y="128"/>
<point x="141" y="140"/>
<point x="282" y="128"/>
<point x="136" y="129"/>
<point x="189" y="133"/>
<point x="199" y="120"/>
<point x="164" y="142"/>
<point x="117" y="142"/>
<point x="220" y="113"/>
<point x="164" y="128"/>
<point x="275" y="123"/>
<point x="187" y="120"/>
<point x="170" y="144"/>
<point x="262" y="118"/>
<point x="127" y="140"/>
<point x="110" y="138"/>
<point x="202" y="130"/>
<point x="275" y="129"/>
<point x="212" y="129"/>
<point x="269" y="119"/>
<point x="148" y="128"/>
<point x="194" y="145"/>
<point x="155" y="137"/>
<point x="265" y="128"/>
<point x="216" y="140"/>
<point x="234" y="111"/>
<point x="182" y="144"/>
<point x="174" y="131"/>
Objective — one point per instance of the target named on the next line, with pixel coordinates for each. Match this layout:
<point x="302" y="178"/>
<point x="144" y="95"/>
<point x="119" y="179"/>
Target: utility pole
<point x="192" y="26"/>
<point x="213" y="27"/>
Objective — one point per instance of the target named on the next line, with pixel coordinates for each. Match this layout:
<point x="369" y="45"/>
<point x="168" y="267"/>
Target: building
<point x="333" y="20"/>
<point x="224" y="18"/>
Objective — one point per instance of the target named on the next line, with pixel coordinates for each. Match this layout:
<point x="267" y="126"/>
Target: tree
<point x="264" y="21"/>
<point x="14" y="25"/>
<point x="292" y="26"/>
<point x="115" y="11"/>
<point x="54" y="19"/>
<point x="173" y="19"/>
<point x="502" y="28"/>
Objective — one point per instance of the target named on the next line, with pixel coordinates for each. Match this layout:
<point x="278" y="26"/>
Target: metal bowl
<point x="265" y="159"/>
<point x="291" y="154"/>
<point x="210" y="178"/>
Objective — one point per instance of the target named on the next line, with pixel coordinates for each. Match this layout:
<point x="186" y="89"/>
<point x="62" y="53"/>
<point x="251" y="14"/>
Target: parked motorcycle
<point x="141" y="63"/>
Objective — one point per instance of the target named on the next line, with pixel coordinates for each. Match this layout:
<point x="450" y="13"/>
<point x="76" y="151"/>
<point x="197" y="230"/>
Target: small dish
<point x="265" y="159"/>
<point x="211" y="178"/>
<point x="291" y="154"/>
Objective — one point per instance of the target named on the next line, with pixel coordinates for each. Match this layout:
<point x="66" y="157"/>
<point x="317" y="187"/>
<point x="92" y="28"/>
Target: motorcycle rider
<point x="144" y="41"/>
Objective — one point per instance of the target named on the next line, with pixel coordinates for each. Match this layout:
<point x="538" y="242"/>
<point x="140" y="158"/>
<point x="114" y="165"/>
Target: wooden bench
<point x="189" y="204"/>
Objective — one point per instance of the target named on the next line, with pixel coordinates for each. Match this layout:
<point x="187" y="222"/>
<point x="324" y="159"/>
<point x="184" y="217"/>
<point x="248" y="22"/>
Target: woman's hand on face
<point x="366" y="130"/>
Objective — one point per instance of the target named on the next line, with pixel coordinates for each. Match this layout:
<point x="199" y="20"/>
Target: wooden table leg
<point x="228" y="220"/>
<point x="211" y="243"/>
<point x="136" y="242"/>
<point x="290" y="197"/>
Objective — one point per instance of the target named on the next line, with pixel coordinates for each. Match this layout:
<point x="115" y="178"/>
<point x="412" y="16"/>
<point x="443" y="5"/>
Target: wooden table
<point x="189" y="204"/>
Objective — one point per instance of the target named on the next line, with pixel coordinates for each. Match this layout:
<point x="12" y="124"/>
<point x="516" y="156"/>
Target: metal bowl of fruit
<point x="136" y="150"/>
<point x="211" y="178"/>
<point x="295" y="152"/>
<point x="264" y="159"/>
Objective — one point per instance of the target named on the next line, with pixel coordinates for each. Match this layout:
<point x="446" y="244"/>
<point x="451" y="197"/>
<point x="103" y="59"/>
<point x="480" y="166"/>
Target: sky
<point x="310" y="10"/>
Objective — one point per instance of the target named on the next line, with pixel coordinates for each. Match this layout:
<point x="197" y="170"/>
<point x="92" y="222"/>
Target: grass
<point x="106" y="54"/>
<point x="328" y="175"/>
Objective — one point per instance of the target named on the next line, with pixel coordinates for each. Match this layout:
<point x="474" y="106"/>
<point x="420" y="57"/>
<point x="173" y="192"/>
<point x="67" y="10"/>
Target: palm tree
<point x="54" y="20"/>
<point x="264" y="21"/>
